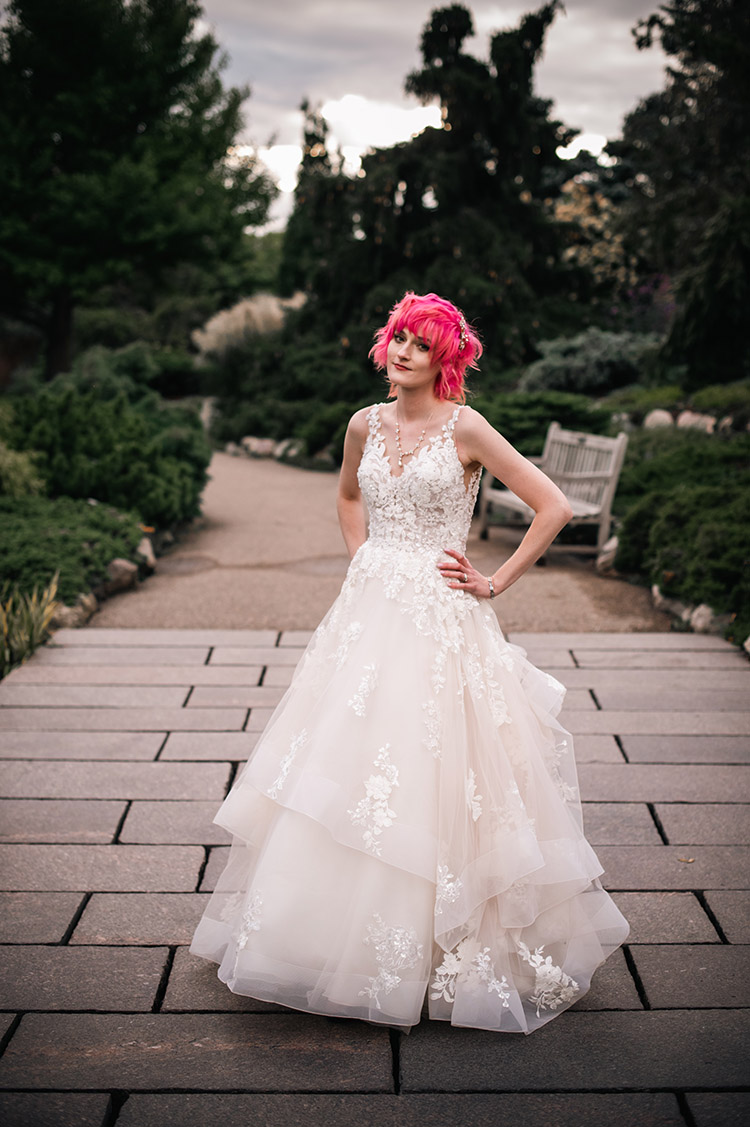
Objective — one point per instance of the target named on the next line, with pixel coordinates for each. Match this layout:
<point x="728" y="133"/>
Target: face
<point x="409" y="362"/>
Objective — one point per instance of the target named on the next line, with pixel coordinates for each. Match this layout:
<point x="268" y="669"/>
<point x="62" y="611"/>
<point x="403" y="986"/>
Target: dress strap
<point x="373" y="422"/>
<point x="449" y="427"/>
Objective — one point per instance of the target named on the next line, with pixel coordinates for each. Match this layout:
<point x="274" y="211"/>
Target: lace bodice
<point x="428" y="507"/>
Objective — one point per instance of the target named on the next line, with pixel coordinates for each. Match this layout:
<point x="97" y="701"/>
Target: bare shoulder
<point x="472" y="425"/>
<point x="359" y="424"/>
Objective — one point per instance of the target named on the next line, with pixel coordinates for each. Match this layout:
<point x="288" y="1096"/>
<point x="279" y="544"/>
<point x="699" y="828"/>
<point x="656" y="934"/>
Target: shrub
<point x="593" y="362"/>
<point x="725" y="399"/>
<point x="18" y="473"/>
<point x="24" y="622"/>
<point x="325" y="424"/>
<point x="75" y="538"/>
<point x="523" y="418"/>
<point x="695" y="543"/>
<point x="637" y="400"/>
<point x="658" y="461"/>
<point x="100" y="432"/>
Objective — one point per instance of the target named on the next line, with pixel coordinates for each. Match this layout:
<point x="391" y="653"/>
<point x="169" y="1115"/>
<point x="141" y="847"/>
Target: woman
<point x="409" y="825"/>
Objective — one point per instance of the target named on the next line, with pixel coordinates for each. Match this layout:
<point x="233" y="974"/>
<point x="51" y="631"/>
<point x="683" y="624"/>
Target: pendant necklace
<point x="409" y="453"/>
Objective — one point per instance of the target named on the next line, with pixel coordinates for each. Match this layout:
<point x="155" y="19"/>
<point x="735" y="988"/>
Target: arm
<point x="478" y="442"/>
<point x="349" y="504"/>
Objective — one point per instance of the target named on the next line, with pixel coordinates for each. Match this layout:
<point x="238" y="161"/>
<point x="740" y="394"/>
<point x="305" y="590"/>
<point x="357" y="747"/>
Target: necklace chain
<point x="409" y="453"/>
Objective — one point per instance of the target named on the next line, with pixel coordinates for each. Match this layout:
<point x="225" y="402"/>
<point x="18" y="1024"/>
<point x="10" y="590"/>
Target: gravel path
<point x="268" y="554"/>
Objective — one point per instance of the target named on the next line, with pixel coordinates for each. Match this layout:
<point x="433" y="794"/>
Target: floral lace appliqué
<point x="473" y="800"/>
<point x="373" y="811"/>
<point x="250" y="921"/>
<point x="396" y="949"/>
<point x="433" y="726"/>
<point x="552" y="988"/>
<point x="366" y="685"/>
<point x="350" y="635"/>
<point x="447" y="889"/>
<point x="285" y="766"/>
<point x="472" y="965"/>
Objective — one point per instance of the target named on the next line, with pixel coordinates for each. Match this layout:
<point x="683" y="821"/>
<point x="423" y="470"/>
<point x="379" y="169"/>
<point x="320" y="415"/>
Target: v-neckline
<point x="445" y="431"/>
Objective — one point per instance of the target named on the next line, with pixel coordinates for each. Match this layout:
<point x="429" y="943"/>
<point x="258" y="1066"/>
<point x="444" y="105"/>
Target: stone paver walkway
<point x="117" y="747"/>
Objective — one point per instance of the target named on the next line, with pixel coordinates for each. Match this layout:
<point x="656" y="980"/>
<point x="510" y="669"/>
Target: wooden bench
<point x="585" y="466"/>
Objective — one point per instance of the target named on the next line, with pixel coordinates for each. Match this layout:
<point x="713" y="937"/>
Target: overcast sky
<point x="324" y="50"/>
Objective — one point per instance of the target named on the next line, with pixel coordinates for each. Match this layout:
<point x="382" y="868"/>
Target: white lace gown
<point x="409" y="825"/>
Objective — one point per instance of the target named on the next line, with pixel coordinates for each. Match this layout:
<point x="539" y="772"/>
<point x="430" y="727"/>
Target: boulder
<point x="123" y="574"/>
<point x="146" y="551"/>
<point x="78" y="615"/>
<point x="658" y="418"/>
<point x="288" y="448"/>
<point x="233" y="449"/>
<point x="670" y="606"/>
<point x="258" y="447"/>
<point x="691" y="420"/>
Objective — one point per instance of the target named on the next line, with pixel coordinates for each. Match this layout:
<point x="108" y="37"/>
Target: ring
<point x="464" y="577"/>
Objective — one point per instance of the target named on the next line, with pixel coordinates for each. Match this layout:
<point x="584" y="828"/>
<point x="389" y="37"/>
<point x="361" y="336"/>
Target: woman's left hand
<point x="463" y="576"/>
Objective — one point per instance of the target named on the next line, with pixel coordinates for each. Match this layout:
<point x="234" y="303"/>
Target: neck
<point x="415" y="405"/>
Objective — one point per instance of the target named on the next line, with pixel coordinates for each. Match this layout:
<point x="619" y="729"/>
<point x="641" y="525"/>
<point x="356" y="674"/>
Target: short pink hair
<point x="438" y="322"/>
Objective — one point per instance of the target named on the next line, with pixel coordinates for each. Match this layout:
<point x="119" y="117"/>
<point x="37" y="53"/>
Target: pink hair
<point x="438" y="322"/>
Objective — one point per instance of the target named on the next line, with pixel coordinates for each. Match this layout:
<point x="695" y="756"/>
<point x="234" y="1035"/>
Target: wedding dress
<point x="409" y="825"/>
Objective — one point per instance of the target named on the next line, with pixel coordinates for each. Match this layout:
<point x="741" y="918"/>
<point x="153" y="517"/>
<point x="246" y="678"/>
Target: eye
<point x="424" y="347"/>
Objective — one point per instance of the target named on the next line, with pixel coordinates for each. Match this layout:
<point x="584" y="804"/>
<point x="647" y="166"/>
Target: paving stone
<point x="612" y="988"/>
<point x="674" y="700"/>
<point x="122" y="655"/>
<point x="657" y="782"/>
<point x="619" y="823"/>
<point x="194" y="985"/>
<point x="578" y="700"/>
<point x="279" y="675"/>
<point x="231" y="696"/>
<point x="32" y="674"/>
<point x="82" y="695"/>
<point x="140" y="917"/>
<point x="114" y="780"/>
<point x="643" y="867"/>
<point x="621" y="723"/>
<point x="58" y="820"/>
<point x="80" y="978"/>
<point x="299" y="638"/>
<point x="642" y="1109"/>
<point x="659" y="660"/>
<point x="6" y="1022"/>
<point x="210" y="1052"/>
<point x="732" y="910"/>
<point x="265" y="655"/>
<point x="100" y="868"/>
<point x="217" y="859"/>
<point x="123" y="719"/>
<point x="656" y="680"/>
<point x="666" y="917"/>
<point x="259" y="718"/>
<point x="608" y="640"/>
<point x="549" y="657"/>
<point x="653" y="1049"/>
<point x="705" y="824"/>
<point x="234" y="746"/>
<point x="597" y="749"/>
<point x="123" y="636"/>
<point x="36" y="917"/>
<point x="687" y="749"/>
<point x="173" y="823"/>
<point x="719" y="1109"/>
<point x="709" y="976"/>
<point x="80" y="745"/>
<point x="54" y="1109"/>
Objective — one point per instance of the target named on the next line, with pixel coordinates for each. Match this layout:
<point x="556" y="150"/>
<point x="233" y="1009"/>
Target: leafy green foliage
<point x="658" y="461"/>
<point x="75" y="538"/>
<point x="591" y="363"/>
<point x="524" y="417"/>
<point x="100" y="432"/>
<point x="24" y="622"/>
<point x="116" y="144"/>
<point x="694" y="542"/>
<point x="18" y="473"/>
<point x="685" y="153"/>
<point x="637" y="401"/>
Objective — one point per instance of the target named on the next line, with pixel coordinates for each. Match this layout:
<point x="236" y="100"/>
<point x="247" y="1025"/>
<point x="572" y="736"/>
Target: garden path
<point x="268" y="554"/>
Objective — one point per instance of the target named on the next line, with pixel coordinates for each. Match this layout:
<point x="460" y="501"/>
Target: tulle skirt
<point x="409" y="829"/>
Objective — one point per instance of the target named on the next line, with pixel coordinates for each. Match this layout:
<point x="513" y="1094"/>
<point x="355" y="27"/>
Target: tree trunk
<point x="59" y="333"/>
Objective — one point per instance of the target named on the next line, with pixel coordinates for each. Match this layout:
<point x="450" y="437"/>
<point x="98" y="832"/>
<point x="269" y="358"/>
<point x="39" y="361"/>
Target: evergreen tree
<point x="688" y="153"/>
<point x="115" y="144"/>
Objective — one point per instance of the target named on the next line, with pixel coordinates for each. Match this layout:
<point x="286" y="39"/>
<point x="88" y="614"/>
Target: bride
<point x="408" y="828"/>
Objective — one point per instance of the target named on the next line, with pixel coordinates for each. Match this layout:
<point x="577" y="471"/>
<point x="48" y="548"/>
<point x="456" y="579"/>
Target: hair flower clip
<point x="462" y="330"/>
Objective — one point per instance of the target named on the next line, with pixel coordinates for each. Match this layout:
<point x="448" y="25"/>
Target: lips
<point x="401" y="368"/>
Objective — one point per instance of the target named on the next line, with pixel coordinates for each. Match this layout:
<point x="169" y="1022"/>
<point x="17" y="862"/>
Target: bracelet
<point x="492" y="586"/>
